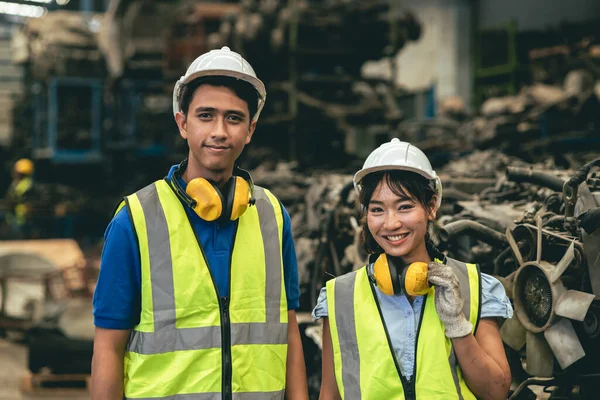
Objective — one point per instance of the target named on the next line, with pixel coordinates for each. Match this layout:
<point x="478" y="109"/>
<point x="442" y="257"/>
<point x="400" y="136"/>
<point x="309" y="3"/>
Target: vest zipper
<point x="226" y="329"/>
<point x="409" y="393"/>
<point x="226" y="347"/>
<point x="414" y="381"/>
<point x="225" y="320"/>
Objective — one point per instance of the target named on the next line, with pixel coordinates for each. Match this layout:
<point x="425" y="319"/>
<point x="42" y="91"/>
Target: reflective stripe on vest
<point x="218" y="396"/>
<point x="175" y="352"/>
<point x="22" y="187"/>
<point x="364" y="361"/>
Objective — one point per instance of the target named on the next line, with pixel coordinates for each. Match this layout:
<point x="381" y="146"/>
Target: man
<point x="18" y="198"/>
<point x="198" y="281"/>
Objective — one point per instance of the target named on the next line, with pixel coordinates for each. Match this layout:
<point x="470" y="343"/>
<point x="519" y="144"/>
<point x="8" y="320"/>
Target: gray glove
<point x="448" y="300"/>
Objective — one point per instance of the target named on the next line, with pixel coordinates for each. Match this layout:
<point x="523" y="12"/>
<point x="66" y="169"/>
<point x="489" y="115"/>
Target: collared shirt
<point x="117" y="298"/>
<point x="402" y="318"/>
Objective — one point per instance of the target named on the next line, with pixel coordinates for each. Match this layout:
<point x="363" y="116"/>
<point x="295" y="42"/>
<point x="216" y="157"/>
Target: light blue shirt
<point x="402" y="318"/>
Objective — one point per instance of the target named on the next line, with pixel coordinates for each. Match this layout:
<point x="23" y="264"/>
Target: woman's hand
<point x="448" y="300"/>
<point x="481" y="357"/>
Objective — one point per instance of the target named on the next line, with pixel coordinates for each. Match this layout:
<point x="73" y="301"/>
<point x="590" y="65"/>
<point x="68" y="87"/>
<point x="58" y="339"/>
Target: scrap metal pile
<point x="540" y="119"/>
<point x="46" y="288"/>
<point x="536" y="227"/>
<point x="96" y="80"/>
<point x="310" y="54"/>
<point x="537" y="230"/>
<point x="63" y="43"/>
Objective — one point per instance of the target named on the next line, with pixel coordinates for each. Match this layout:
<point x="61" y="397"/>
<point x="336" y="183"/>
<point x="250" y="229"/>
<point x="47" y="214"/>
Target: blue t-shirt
<point x="117" y="298"/>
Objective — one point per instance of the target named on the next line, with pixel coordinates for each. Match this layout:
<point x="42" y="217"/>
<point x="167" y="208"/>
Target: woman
<point x="444" y="344"/>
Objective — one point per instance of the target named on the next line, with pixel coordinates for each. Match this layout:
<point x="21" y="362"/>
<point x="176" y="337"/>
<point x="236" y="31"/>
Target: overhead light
<point x="62" y="2"/>
<point x="22" y="10"/>
<point x="40" y="1"/>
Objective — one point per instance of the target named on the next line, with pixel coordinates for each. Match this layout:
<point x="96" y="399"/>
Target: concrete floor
<point x="13" y="366"/>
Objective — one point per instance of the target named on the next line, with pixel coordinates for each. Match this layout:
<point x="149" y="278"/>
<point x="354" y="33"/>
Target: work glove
<point x="448" y="300"/>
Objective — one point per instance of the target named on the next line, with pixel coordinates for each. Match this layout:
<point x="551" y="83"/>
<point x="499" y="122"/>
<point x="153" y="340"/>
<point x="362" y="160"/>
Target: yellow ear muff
<point x="241" y="198"/>
<point x="382" y="275"/>
<point x="209" y="204"/>
<point x="414" y="279"/>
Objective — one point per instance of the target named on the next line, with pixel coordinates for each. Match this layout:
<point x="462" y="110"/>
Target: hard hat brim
<point x="366" y="171"/>
<point x="358" y="177"/>
<point x="255" y="82"/>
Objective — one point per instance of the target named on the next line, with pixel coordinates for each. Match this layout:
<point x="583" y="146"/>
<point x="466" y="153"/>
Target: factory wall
<point x="442" y="57"/>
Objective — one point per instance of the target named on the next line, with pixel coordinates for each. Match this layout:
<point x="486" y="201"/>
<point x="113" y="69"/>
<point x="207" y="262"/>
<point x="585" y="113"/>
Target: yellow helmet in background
<point x="24" y="166"/>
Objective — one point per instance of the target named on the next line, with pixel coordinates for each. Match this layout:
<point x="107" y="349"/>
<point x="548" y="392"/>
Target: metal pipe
<point x="472" y="228"/>
<point x="582" y="173"/>
<point x="499" y="261"/>
<point x="526" y="175"/>
<point x="590" y="220"/>
<point x="455" y="194"/>
<point x="554" y="219"/>
<point x="536" y="381"/>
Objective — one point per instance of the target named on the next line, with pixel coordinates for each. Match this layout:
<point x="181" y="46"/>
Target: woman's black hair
<point x="402" y="183"/>
<point x="242" y="89"/>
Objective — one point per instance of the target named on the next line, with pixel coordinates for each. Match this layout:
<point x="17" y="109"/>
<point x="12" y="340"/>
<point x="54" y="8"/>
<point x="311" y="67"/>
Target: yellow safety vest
<point x="189" y="340"/>
<point x="365" y="363"/>
<point x="17" y="194"/>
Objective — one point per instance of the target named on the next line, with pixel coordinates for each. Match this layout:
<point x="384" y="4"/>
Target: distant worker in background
<point x="413" y="323"/>
<point x="198" y="282"/>
<point x="18" y="199"/>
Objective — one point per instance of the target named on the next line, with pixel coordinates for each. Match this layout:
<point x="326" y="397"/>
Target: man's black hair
<point x="242" y="89"/>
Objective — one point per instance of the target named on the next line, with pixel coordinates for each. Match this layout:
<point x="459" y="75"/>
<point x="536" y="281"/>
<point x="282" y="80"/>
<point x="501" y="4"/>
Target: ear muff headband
<point x="208" y="201"/>
<point x="412" y="280"/>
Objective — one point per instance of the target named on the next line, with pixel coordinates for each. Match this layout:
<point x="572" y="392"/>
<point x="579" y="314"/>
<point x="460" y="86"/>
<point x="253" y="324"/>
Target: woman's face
<point x="398" y="224"/>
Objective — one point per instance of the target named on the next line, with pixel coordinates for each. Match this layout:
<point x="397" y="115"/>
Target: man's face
<point x="217" y="127"/>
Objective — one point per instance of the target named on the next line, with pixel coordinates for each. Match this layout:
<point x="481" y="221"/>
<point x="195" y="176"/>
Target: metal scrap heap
<point x="539" y="120"/>
<point x="310" y="54"/>
<point x="63" y="43"/>
<point x="533" y="226"/>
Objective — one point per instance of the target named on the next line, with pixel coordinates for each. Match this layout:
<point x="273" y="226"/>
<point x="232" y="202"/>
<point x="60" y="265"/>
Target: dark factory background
<point x="503" y="96"/>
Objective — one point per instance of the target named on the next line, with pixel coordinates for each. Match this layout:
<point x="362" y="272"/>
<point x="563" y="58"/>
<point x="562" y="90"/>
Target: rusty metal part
<point x="532" y="381"/>
<point x="542" y="178"/>
<point x="479" y="231"/>
<point x="24" y="288"/>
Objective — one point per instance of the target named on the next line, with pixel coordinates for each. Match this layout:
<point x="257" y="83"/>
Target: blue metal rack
<point x="132" y="92"/>
<point x="47" y="146"/>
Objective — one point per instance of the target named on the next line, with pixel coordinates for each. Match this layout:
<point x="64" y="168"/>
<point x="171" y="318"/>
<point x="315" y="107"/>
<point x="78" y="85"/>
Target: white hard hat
<point x="223" y="62"/>
<point x="398" y="155"/>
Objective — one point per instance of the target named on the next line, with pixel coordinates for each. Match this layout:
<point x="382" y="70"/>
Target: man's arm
<point x="107" y="363"/>
<point x="483" y="361"/>
<point x="116" y="307"/>
<point x="296" y="388"/>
